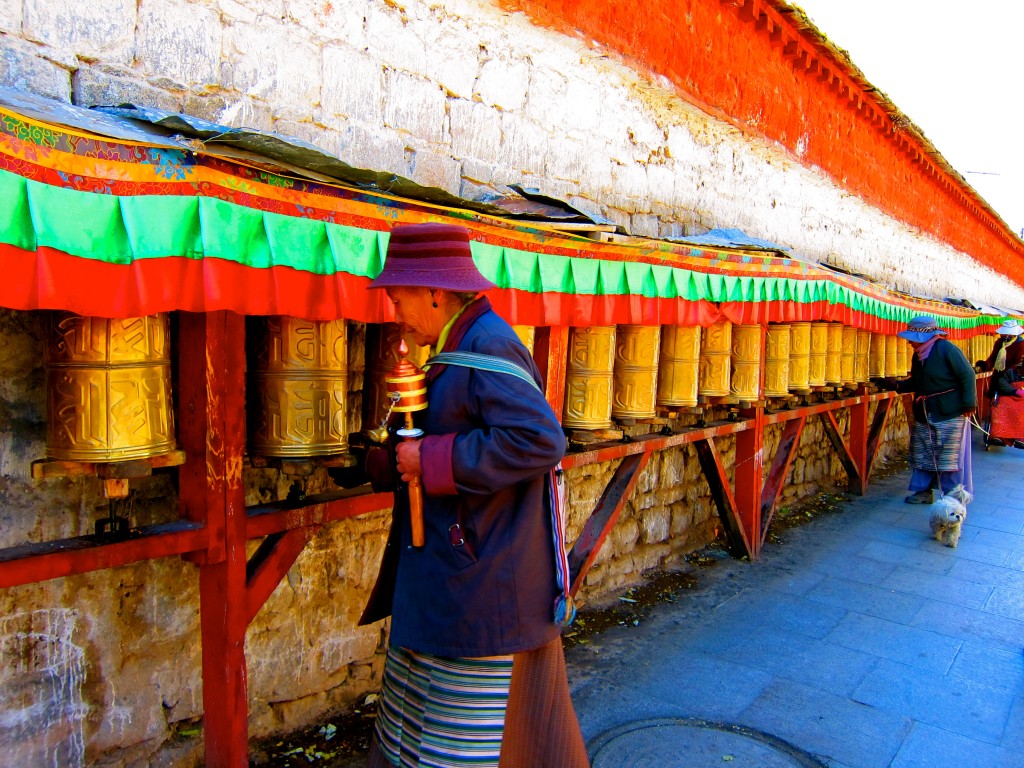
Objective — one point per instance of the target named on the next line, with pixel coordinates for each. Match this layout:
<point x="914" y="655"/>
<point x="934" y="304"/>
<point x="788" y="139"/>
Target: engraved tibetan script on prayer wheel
<point x="876" y="356"/>
<point x="299" y="387"/>
<point x="800" y="356"/>
<point x="381" y="357"/>
<point x="776" y="372"/>
<point x="891" y="367"/>
<point x="108" y="388"/>
<point x="819" y="354"/>
<point x="834" y="358"/>
<point x="849" y="355"/>
<point x="746" y="362"/>
<point x="863" y="355"/>
<point x="636" y="370"/>
<point x="715" y="368"/>
<point x="588" y="378"/>
<point x="677" y="369"/>
<point x="904" y="354"/>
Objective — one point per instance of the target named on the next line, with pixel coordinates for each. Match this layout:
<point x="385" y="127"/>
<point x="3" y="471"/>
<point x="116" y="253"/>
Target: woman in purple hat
<point x="945" y="397"/>
<point x="475" y="673"/>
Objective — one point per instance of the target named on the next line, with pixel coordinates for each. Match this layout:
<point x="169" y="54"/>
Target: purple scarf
<point x="925" y="348"/>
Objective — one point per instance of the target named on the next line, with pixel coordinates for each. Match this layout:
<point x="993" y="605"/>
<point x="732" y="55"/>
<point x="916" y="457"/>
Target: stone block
<point x="654" y="525"/>
<point x="415" y="106"/>
<point x="396" y="42"/>
<point x="624" y="534"/>
<point x="502" y="83"/>
<point x="180" y="41"/>
<point x="270" y="63"/>
<point x="523" y="145"/>
<point x="475" y="131"/>
<point x="353" y="85"/>
<point x="10" y="17"/>
<point x="96" y="30"/>
<point x="330" y="21"/>
<point x="435" y="169"/>
<point x="22" y="67"/>
<point x="94" y="86"/>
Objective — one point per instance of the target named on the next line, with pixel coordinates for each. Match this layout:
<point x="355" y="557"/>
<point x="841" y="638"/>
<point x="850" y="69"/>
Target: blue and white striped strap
<point x="565" y="607"/>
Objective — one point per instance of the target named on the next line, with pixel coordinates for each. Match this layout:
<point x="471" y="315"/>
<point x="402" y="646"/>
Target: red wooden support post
<point x="596" y="529"/>
<point x="748" y="477"/>
<point x="723" y="497"/>
<point x="780" y="471"/>
<point x="858" y="441"/>
<point x="211" y="382"/>
<point x="550" y="350"/>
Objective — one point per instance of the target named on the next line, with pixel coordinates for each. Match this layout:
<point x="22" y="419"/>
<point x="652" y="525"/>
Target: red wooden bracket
<point x="596" y="529"/>
<point x="875" y="435"/>
<point x="269" y="563"/>
<point x="725" y="502"/>
<point x="779" y="471"/>
<point x="855" y="480"/>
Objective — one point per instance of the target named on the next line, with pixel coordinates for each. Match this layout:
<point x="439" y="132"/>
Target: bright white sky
<point x="955" y="69"/>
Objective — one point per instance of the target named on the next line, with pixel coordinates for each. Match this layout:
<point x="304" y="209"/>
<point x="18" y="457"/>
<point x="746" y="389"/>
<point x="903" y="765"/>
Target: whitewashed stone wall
<point x="104" y="668"/>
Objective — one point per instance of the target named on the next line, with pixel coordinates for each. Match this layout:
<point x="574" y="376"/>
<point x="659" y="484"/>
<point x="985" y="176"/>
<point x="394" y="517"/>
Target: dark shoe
<point x="1018" y="444"/>
<point x="995" y="441"/>
<point x="921" y="497"/>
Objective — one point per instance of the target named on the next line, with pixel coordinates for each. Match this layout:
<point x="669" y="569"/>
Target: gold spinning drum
<point x="677" y="367"/>
<point x="746" y="362"/>
<point x="834" y="359"/>
<point x="849" y="356"/>
<point x="382" y="356"/>
<point x="527" y="334"/>
<point x="863" y="353"/>
<point x="299" y="387"/>
<point x="714" y="368"/>
<point x="776" y="370"/>
<point x="819" y="354"/>
<point x="800" y="356"/>
<point x="876" y="356"/>
<point x="891" y="357"/>
<point x="636" y="370"/>
<point x="588" y="378"/>
<point x="903" y="356"/>
<point x="108" y="388"/>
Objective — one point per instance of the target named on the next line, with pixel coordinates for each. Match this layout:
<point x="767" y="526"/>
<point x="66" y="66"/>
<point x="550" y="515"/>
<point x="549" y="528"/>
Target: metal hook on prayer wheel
<point x="409" y="383"/>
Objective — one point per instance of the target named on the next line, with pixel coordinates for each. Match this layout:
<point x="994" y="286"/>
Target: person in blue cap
<point x="945" y="397"/>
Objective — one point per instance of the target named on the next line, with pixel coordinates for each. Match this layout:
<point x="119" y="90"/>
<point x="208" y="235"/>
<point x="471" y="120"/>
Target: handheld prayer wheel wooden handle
<point x="409" y="384"/>
<point x="415" y="488"/>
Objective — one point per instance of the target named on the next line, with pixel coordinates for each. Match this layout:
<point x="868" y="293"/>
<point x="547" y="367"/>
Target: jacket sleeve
<point x="518" y="436"/>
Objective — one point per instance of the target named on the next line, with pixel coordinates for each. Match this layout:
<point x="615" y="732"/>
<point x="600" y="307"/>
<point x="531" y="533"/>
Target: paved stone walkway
<point x="856" y="642"/>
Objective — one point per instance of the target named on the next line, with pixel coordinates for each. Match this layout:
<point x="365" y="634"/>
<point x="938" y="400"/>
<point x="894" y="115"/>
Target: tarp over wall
<point x="117" y="228"/>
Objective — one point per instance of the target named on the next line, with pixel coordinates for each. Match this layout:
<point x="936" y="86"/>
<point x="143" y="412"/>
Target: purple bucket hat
<point x="430" y="256"/>
<point x="920" y="329"/>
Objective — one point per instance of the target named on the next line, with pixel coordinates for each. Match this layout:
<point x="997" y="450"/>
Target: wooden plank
<point x="779" y="471"/>
<point x="269" y="563"/>
<point x="278" y="516"/>
<point x="854" y="480"/>
<point x="723" y="497"/>
<point x="595" y="531"/>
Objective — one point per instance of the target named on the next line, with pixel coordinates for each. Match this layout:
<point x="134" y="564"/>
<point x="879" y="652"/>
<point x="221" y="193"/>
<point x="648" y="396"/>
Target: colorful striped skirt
<point x="938" y="446"/>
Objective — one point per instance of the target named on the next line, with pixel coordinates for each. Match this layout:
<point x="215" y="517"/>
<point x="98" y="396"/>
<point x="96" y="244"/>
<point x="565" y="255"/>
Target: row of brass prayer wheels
<point x="109" y="381"/>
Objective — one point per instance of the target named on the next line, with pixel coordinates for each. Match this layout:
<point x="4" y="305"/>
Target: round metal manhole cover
<point x="678" y="742"/>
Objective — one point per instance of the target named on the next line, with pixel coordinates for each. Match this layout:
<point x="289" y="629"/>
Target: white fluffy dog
<point x="948" y="514"/>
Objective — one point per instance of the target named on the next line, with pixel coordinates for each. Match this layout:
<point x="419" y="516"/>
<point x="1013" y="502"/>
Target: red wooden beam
<point x="269" y="563"/>
<point x="779" y="471"/>
<point x="748" y="478"/>
<point x="723" y="497"/>
<point x="656" y="442"/>
<point x="551" y="351"/>
<point x="596" y="529"/>
<point x="855" y="481"/>
<point x="277" y="516"/>
<point x="858" y="441"/>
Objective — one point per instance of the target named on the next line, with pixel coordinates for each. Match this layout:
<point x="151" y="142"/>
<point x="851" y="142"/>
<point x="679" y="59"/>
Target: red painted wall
<point x="745" y="61"/>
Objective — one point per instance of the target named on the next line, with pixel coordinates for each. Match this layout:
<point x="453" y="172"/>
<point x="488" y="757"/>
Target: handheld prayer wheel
<point x="715" y="367"/>
<point x="745" y="382"/>
<point x="381" y="356"/>
<point x="849" y="355"/>
<point x="834" y="358"/>
<point x="800" y="356"/>
<point x="588" y="378"/>
<point x="776" y="371"/>
<point x="408" y="389"/>
<point x="526" y="334"/>
<point x="891" y="357"/>
<point x="635" y="379"/>
<point x="108" y="388"/>
<point x="819" y="354"/>
<point x="299" y="392"/>
<point x="677" y="368"/>
<point x="876" y="356"/>
<point x="862" y="355"/>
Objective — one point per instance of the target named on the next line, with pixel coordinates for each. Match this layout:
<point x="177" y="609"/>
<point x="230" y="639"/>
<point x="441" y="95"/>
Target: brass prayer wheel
<point x="849" y="355"/>
<point x="677" y="368"/>
<point x="299" y="387"/>
<point x="862" y="359"/>
<point x="382" y="343"/>
<point x="108" y="388"/>
<point x="746" y="362"/>
<point x="526" y="334"/>
<point x="834" y="358"/>
<point x="876" y="356"/>
<point x="903" y="356"/>
<point x="635" y="371"/>
<point x="714" y="368"/>
<point x="891" y="357"/>
<point x="588" y="378"/>
<point x="776" y="371"/>
<point x="819" y="354"/>
<point x="800" y="356"/>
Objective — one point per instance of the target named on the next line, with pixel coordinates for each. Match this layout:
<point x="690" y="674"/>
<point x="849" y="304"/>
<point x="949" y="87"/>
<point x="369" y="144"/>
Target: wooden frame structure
<point x="214" y="524"/>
